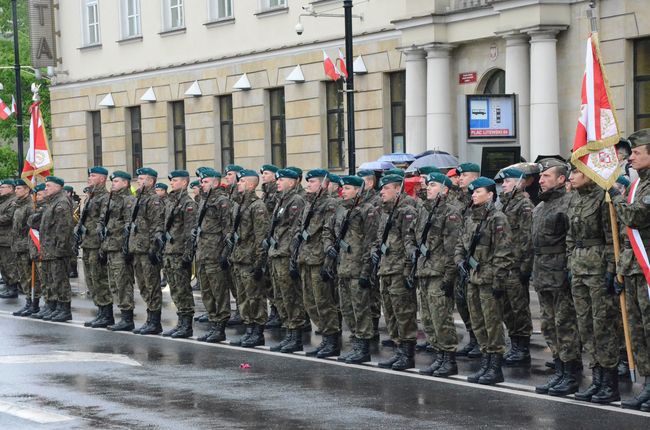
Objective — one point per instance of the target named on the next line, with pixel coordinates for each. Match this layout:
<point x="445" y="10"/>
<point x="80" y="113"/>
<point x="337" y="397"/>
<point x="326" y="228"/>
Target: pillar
<point x="518" y="82"/>
<point x="438" y="98"/>
<point x="416" y="101"/>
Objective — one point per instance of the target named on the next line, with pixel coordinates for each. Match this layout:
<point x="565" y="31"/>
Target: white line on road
<point x="32" y="414"/>
<point x="67" y="357"/>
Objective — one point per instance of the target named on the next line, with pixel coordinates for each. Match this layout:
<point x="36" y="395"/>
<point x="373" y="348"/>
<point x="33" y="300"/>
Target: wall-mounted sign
<point x="491" y="117"/>
<point x="467" y="78"/>
<point x="41" y="33"/>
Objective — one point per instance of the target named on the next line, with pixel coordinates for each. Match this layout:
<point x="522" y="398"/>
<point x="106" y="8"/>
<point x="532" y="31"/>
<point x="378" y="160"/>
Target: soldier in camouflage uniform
<point x="7" y="205"/>
<point x="398" y="297"/>
<point x="516" y="305"/>
<point x="288" y="290"/>
<point x="635" y="214"/>
<point x="549" y="276"/>
<point x="34" y="253"/>
<point x="487" y="267"/>
<point x="180" y="220"/>
<point x="195" y="188"/>
<point x="24" y="207"/>
<point x="145" y="244"/>
<point x="270" y="199"/>
<point x="161" y="191"/>
<point x="436" y="271"/>
<point x="250" y="227"/>
<point x="231" y="171"/>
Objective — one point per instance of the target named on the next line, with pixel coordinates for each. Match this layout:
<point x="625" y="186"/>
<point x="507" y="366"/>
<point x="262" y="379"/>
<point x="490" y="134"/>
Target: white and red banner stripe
<point x="330" y="68"/>
<point x="637" y="243"/>
<point x="343" y="70"/>
<point x="38" y="160"/>
<point x="36" y="238"/>
<point x="5" y="111"/>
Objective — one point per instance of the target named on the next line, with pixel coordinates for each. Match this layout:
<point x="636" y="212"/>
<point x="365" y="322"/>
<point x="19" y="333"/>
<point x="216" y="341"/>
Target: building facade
<point x="179" y="84"/>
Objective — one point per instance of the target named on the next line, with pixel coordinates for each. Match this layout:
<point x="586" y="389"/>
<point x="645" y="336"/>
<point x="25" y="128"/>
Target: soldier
<point x="550" y="276"/>
<point x="287" y="290"/>
<point x="145" y="239"/>
<point x="195" y="188"/>
<point x="518" y="209"/>
<point x="299" y="186"/>
<point x="231" y="171"/>
<point x="250" y="227"/>
<point x="161" y="191"/>
<point x="7" y="267"/>
<point x="24" y="207"/>
<point x="55" y="226"/>
<point x="389" y="254"/>
<point x="432" y="240"/>
<point x="334" y="186"/>
<point x="76" y="214"/>
<point x="484" y="256"/>
<point x="49" y="305"/>
<point x="270" y="198"/>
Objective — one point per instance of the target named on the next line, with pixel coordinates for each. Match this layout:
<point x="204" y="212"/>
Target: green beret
<point x="547" y="163"/>
<point x="355" y="181"/>
<point x="161" y="186"/>
<point x="623" y="181"/>
<point x="68" y="188"/>
<point x="390" y="179"/>
<point x="20" y="183"/>
<point x="287" y="173"/>
<point x="146" y="171"/>
<point x="510" y="173"/>
<point x="317" y="173"/>
<point x="100" y="170"/>
<point x="269" y="167"/>
<point x="481" y="182"/>
<point x="363" y="173"/>
<point x="335" y="179"/>
<point x="440" y="178"/>
<point x="640" y="138"/>
<point x="207" y="172"/>
<point x="121" y="174"/>
<point x="56" y="180"/>
<point x="194" y="184"/>
<point x="398" y="172"/>
<point x="247" y="172"/>
<point x="232" y="168"/>
<point x="8" y="182"/>
<point x="178" y="174"/>
<point x="468" y="167"/>
<point x="298" y="170"/>
<point x="39" y="187"/>
<point x="425" y="170"/>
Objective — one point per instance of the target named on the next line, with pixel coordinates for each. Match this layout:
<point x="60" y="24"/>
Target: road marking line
<point x="28" y="413"/>
<point x="68" y="357"/>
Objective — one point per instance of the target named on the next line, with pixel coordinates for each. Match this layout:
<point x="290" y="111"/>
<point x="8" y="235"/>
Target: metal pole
<point x="349" y="60"/>
<point x="19" y="98"/>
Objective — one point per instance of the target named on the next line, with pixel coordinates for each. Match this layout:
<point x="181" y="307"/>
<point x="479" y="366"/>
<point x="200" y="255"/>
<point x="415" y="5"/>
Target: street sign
<point x="491" y="117"/>
<point x="467" y="78"/>
<point x="41" y="33"/>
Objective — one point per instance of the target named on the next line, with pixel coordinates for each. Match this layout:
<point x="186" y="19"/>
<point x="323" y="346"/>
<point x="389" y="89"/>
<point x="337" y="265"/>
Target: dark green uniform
<point x="372" y="197"/>
<point x="24" y="208"/>
<point x="270" y="198"/>
<point x="7" y="267"/>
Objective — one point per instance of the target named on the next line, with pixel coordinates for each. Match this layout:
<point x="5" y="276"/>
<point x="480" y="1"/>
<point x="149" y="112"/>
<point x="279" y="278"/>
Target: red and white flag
<point x="594" y="153"/>
<point x="14" y="108"/>
<point x="36" y="238"/>
<point x="340" y="62"/>
<point x="38" y="160"/>
<point x="5" y="111"/>
<point x="330" y="68"/>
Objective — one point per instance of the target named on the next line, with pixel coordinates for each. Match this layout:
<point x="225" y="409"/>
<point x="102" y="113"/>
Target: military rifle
<point x="80" y="229"/>
<point x="422" y="247"/>
<point x="383" y="247"/>
<point x="270" y="242"/>
<point x="103" y="230"/>
<point x="196" y="232"/>
<point x="131" y="227"/>
<point x="169" y="222"/>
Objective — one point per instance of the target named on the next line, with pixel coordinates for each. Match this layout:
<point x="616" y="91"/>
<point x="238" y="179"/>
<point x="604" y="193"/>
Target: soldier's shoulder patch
<point x="527" y="210"/>
<point x="156" y="202"/>
<point x="409" y="216"/>
<point x="189" y="208"/>
<point x="453" y="217"/>
<point x="224" y="204"/>
<point x="293" y="208"/>
<point x="499" y="228"/>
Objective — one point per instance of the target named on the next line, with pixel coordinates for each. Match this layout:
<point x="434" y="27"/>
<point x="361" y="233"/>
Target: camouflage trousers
<point x="57" y="279"/>
<point x="215" y="294"/>
<point x="320" y="300"/>
<point x="7" y="266"/>
<point x="356" y="304"/>
<point x="147" y="277"/>
<point x="375" y="303"/>
<point x="516" y="307"/>
<point x="486" y="314"/>
<point x="232" y="286"/>
<point x="288" y="294"/>
<point x="120" y="280"/>
<point x="460" y="297"/>
<point x="96" y="276"/>
<point x="559" y="323"/>
<point x="24" y="272"/>
<point x="638" y="313"/>
<point x="179" y="284"/>
<point x="251" y="294"/>
<point x="400" y="308"/>
<point x="438" y="310"/>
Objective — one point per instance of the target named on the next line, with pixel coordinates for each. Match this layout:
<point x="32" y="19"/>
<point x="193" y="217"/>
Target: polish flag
<point x="5" y="111"/>
<point x="36" y="238"/>
<point x="340" y="62"/>
<point x="14" y="108"/>
<point x="330" y="68"/>
<point x="38" y="160"/>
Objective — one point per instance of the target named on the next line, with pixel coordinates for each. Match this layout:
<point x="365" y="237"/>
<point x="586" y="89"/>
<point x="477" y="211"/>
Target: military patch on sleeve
<point x="453" y="217"/>
<point x="223" y="205"/>
<point x="499" y="228"/>
<point x="527" y="211"/>
<point x="190" y="208"/>
<point x="646" y="200"/>
<point x="156" y="202"/>
<point x="408" y="217"/>
<point x="293" y="208"/>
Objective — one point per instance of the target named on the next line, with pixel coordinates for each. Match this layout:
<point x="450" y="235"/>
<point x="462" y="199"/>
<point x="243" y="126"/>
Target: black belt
<point x="544" y="250"/>
<point x="588" y="243"/>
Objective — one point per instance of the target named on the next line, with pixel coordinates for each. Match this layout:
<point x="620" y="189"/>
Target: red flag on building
<point x="39" y="160"/>
<point x="340" y="62"/>
<point x="594" y="153"/>
<point x="330" y="68"/>
<point x="5" y="111"/>
<point x="14" y="108"/>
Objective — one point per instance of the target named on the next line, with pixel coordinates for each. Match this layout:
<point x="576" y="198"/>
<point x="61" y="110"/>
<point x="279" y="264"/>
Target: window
<point x="397" y="112"/>
<point x="495" y="83"/>
<point x="130" y="16"/>
<point x="178" y="121"/>
<point x="272" y="4"/>
<point x="135" y="132"/>
<point x="96" y="127"/>
<point x="225" y="123"/>
<point x="278" y="128"/>
<point x="642" y="84"/>
<point x="174" y="14"/>
<point x="220" y="9"/>
<point x="91" y="23"/>
<point x="335" y="124"/>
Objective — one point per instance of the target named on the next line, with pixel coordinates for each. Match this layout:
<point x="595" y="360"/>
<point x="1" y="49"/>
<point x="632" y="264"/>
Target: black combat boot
<point x="64" y="314"/>
<point x="33" y="309"/>
<point x="10" y="293"/>
<point x="47" y="309"/>
<point x="640" y="399"/>
<point x="198" y="318"/>
<point x="173" y="330"/>
<point x="375" y="329"/>
<point x="361" y="353"/>
<point x="97" y="315"/>
<point x="211" y="327"/>
<point x="569" y="382"/>
<point x="143" y="326"/>
<point x="295" y="344"/>
<point x="106" y="317"/>
<point x="519" y="353"/>
<point x="28" y="305"/>
<point x="255" y="339"/>
<point x="472" y="349"/>
<point x="248" y="333"/>
<point x="437" y="361"/>
<point x="448" y="367"/>
<point x="185" y="329"/>
<point x="355" y="343"/>
<point x="219" y="334"/>
<point x="646" y="406"/>
<point x="407" y="358"/>
<point x="274" y="318"/>
<point x="485" y="364"/>
<point x="154" y="326"/>
<point x="422" y="346"/>
<point x="554" y="379"/>
<point x="126" y="322"/>
<point x="596" y="382"/>
<point x="314" y="352"/>
<point x="235" y="319"/>
<point x="332" y="346"/>
<point x="288" y="337"/>
<point x="74" y="272"/>
<point x="494" y="374"/>
<point x="388" y="363"/>
<point x="608" y="391"/>
<point x="55" y="311"/>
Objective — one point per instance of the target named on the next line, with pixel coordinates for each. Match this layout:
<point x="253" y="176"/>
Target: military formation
<point x="296" y="249"/>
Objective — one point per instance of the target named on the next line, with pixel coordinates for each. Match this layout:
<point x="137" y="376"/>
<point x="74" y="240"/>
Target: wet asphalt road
<point x="55" y="376"/>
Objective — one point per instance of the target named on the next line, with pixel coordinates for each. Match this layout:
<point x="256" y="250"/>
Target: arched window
<point x="493" y="82"/>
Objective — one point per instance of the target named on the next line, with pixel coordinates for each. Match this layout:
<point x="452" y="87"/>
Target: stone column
<point x="416" y="101"/>
<point x="518" y="82"/>
<point x="439" y="123"/>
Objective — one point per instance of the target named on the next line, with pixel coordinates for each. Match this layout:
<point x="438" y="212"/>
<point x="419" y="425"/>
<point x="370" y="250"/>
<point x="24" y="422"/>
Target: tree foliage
<point x="8" y="162"/>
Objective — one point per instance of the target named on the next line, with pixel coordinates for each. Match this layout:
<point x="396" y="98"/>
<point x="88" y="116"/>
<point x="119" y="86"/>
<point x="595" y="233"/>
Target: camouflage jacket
<point x="635" y="215"/>
<point x="7" y="206"/>
<point x="33" y="251"/>
<point x="19" y="230"/>
<point x="519" y="211"/>
<point x="289" y="210"/>
<point x="93" y="207"/>
<point x="121" y="207"/>
<point x="372" y="197"/>
<point x="55" y="226"/>
<point x="149" y="223"/>
<point x="549" y="230"/>
<point x="440" y="242"/>
<point x="494" y="250"/>
<point x="459" y="198"/>
<point x="180" y="220"/>
<point x="253" y="228"/>
<point x="311" y="249"/>
<point x="270" y="195"/>
<point x="396" y="259"/>
<point x="217" y="223"/>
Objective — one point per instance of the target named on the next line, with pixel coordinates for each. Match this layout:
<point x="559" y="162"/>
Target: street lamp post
<point x="349" y="91"/>
<point x="19" y="98"/>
